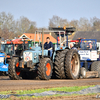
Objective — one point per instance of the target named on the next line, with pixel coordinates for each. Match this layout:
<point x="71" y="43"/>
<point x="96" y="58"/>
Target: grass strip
<point x="65" y="89"/>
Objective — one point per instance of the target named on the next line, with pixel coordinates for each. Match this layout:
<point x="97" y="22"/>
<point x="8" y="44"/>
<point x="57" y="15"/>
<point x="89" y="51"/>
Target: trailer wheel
<point x="45" y="69"/>
<point x="83" y="72"/>
<point x="96" y="67"/>
<point x="59" y="64"/>
<point x="72" y="64"/>
<point x="13" y="72"/>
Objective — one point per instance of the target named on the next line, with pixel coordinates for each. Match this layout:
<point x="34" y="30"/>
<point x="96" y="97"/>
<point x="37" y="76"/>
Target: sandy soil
<point x="93" y="97"/>
<point x="7" y="84"/>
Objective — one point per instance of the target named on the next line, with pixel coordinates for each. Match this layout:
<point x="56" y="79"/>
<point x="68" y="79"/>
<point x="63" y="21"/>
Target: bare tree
<point x="84" y="24"/>
<point x="7" y="24"/>
<point x="22" y="25"/>
<point x="74" y="23"/>
<point x="32" y="28"/>
<point x="6" y="20"/>
<point x="95" y="24"/>
<point x="56" y="21"/>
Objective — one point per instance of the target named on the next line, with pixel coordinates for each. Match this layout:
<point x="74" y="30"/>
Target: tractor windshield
<point x="61" y="39"/>
<point x="88" y="44"/>
<point x="8" y="49"/>
<point x="11" y="48"/>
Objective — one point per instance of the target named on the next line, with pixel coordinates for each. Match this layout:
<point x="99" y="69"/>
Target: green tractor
<point x="64" y="63"/>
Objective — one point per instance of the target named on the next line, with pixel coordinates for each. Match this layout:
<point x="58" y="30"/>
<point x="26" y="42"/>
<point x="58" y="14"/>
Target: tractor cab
<point x="88" y="50"/>
<point x="15" y="47"/>
<point x="88" y="44"/>
<point x="62" y="36"/>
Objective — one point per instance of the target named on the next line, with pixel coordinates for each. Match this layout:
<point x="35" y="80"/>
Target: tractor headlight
<point x="35" y="57"/>
<point x="21" y="57"/>
<point x="35" y="54"/>
<point x="1" y="59"/>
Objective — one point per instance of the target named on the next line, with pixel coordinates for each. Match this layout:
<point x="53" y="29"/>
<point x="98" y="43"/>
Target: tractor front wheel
<point x="13" y="72"/>
<point x="96" y="67"/>
<point x="45" y="69"/>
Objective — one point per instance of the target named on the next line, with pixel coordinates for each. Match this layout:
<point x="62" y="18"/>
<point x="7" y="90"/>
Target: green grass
<point x="65" y="89"/>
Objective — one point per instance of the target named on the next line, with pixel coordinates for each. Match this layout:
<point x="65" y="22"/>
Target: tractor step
<point x="91" y="74"/>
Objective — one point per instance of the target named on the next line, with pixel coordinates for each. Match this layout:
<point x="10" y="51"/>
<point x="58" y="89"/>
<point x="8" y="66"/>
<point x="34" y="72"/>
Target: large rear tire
<point x="13" y="72"/>
<point x="96" y="67"/>
<point x="45" y="69"/>
<point x="72" y="64"/>
<point x="59" y="64"/>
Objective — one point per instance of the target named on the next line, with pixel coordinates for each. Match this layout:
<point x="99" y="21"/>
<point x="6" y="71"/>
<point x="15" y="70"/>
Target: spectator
<point x="90" y="46"/>
<point x="72" y="46"/>
<point x="49" y="46"/>
<point x="77" y="44"/>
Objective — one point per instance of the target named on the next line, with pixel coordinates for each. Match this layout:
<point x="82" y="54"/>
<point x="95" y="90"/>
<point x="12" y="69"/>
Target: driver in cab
<point x="49" y="46"/>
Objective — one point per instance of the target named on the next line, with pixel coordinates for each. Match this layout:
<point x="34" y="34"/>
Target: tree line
<point x="83" y="24"/>
<point x="10" y="28"/>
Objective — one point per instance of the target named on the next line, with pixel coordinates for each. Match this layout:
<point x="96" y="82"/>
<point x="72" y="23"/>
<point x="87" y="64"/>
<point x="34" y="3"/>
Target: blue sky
<point x="41" y="11"/>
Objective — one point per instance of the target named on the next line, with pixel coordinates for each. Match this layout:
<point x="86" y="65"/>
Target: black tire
<point x="96" y="67"/>
<point x="13" y="73"/>
<point x="45" y="73"/>
<point x="3" y="73"/>
<point x="59" y="64"/>
<point x="72" y="68"/>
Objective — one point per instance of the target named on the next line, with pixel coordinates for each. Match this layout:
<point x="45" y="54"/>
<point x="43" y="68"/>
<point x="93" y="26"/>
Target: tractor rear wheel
<point x="13" y="72"/>
<point x="45" y="69"/>
<point x="96" y="67"/>
<point x="59" y="64"/>
<point x="72" y="64"/>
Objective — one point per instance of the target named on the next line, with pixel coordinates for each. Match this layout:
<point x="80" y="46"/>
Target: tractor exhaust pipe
<point x="42" y="42"/>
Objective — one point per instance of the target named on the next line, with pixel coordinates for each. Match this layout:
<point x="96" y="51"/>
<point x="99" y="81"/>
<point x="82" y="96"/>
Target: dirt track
<point x="7" y="84"/>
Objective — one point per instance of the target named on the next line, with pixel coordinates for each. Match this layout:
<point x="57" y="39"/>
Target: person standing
<point x="49" y="46"/>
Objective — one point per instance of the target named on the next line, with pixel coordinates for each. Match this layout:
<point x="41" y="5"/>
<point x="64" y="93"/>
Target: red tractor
<point x="15" y="48"/>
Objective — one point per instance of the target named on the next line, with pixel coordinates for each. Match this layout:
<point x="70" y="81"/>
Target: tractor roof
<point x="16" y="41"/>
<point x="67" y="29"/>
